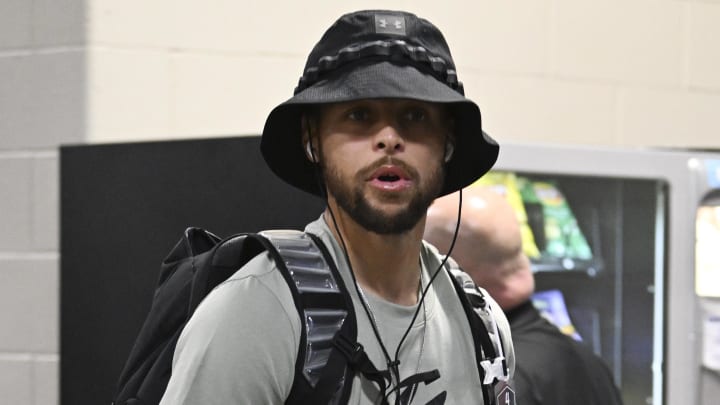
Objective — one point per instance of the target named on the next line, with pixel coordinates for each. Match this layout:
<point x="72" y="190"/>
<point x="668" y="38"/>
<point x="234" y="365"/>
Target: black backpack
<point x="200" y="261"/>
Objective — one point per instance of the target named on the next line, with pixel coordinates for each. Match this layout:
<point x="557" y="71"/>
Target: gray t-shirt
<point x="241" y="344"/>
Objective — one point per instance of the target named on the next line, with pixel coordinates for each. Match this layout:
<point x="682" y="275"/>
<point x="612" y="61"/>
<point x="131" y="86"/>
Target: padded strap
<point x="489" y="350"/>
<point x="325" y="310"/>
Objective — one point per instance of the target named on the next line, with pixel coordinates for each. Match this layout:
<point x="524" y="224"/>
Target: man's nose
<point x="389" y="139"/>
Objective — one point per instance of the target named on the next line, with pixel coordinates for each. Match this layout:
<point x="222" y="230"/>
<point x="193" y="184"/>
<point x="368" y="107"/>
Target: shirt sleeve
<point x="241" y="344"/>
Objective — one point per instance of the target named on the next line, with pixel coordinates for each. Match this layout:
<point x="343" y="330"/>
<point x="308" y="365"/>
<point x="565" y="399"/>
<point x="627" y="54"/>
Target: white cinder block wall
<point x="42" y="104"/>
<point x="613" y="72"/>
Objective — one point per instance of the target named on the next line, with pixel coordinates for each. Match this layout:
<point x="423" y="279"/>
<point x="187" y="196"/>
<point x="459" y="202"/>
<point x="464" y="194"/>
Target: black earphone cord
<point x="392" y="364"/>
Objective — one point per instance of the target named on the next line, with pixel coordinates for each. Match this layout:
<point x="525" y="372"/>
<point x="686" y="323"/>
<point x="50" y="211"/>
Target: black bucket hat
<point x="378" y="54"/>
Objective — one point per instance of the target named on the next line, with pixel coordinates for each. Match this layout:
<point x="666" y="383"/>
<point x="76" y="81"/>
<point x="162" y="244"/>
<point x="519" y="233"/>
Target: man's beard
<point x="348" y="194"/>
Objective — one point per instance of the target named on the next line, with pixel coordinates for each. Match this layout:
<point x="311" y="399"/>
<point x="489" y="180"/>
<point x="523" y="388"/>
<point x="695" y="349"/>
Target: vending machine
<point x="628" y="254"/>
<point x="628" y="248"/>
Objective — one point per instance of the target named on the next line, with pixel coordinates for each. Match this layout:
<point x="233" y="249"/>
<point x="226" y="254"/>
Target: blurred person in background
<point x="551" y="367"/>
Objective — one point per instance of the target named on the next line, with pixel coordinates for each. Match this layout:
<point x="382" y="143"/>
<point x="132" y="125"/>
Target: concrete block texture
<point x="16" y="179"/>
<point x="545" y="110"/>
<point x="128" y="94"/>
<point x="42" y="99"/>
<point x="228" y="94"/>
<point x="672" y="118"/>
<point x="27" y="379"/>
<point x="16" y="379"/>
<point x="15" y="24"/>
<point x="45" y="380"/>
<point x="121" y="22"/>
<point x="223" y="25"/>
<point x="639" y="41"/>
<point x="29" y="296"/>
<point x="210" y="71"/>
<point x="45" y="202"/>
<point x="58" y="22"/>
<point x="41" y="23"/>
<point x="702" y="42"/>
<point x="29" y="207"/>
<point x="492" y="35"/>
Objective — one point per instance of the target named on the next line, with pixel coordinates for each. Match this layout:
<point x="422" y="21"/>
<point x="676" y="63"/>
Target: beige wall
<point x="614" y="72"/>
<point x="611" y="72"/>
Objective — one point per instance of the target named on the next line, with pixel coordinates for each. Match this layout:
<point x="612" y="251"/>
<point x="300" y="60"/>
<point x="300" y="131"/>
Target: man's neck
<point x="387" y="266"/>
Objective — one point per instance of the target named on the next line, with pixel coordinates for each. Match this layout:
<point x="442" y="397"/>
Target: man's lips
<point x="389" y="173"/>
<point x="390" y="177"/>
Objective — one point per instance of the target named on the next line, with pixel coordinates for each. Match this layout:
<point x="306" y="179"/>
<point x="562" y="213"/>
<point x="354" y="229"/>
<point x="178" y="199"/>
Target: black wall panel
<point x="123" y="207"/>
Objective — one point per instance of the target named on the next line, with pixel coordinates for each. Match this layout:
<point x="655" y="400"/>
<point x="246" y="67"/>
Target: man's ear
<point x="449" y="150"/>
<point x="306" y="128"/>
<point x="449" y="147"/>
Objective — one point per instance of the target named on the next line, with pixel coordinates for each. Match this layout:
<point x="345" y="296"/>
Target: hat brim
<point x="281" y="145"/>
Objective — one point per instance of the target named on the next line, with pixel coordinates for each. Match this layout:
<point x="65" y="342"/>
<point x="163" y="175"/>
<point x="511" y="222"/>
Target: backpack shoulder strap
<point x="326" y="312"/>
<point x="489" y="346"/>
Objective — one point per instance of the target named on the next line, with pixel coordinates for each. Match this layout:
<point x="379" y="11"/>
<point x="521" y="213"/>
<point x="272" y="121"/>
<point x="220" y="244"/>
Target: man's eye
<point x="359" y="115"/>
<point x="415" y="115"/>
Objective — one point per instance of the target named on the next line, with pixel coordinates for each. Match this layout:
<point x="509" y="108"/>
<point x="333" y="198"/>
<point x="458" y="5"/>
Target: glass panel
<point x="707" y="247"/>
<point x="598" y="254"/>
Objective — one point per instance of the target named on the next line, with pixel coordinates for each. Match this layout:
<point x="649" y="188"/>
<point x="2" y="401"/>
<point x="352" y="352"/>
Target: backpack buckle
<point x="354" y="352"/>
<point x="495" y="370"/>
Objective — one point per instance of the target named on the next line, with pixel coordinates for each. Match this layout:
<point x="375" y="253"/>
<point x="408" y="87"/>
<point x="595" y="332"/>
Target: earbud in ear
<point x="449" y="150"/>
<point x="309" y="152"/>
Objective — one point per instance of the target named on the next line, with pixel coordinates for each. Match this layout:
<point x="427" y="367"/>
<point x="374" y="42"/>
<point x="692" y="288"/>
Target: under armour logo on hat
<point x="389" y="24"/>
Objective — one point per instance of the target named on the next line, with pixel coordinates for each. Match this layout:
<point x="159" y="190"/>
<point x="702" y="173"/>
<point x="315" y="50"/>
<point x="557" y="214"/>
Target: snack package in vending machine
<point x="563" y="237"/>
<point x="506" y="183"/>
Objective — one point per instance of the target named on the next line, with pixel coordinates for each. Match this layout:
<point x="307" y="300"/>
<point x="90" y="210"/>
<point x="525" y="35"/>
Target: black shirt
<point x="552" y="368"/>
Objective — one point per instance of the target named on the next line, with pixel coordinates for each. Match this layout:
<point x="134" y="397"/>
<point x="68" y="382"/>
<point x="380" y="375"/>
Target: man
<point x="551" y="368"/>
<point x="378" y="126"/>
